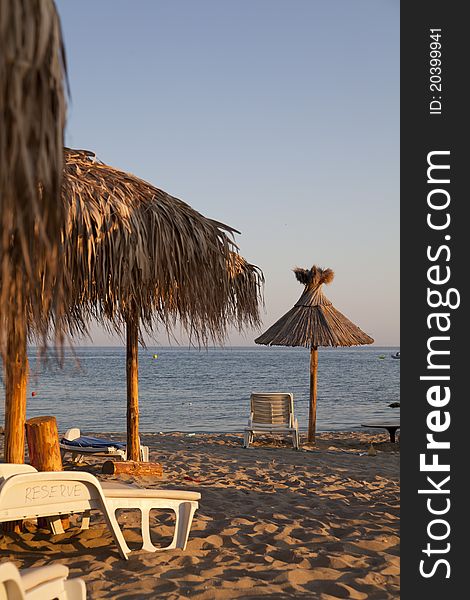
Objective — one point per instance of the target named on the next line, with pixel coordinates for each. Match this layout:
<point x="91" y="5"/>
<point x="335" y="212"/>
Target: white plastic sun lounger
<point x="26" y="493"/>
<point x="80" y="446"/>
<point x="40" y="583"/>
<point x="272" y="412"/>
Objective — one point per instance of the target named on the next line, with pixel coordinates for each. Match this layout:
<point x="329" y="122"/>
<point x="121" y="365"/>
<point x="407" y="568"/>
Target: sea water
<point x="192" y="390"/>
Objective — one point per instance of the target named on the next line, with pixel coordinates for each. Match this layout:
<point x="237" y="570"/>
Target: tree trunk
<point x="42" y="436"/>
<point x="312" y="416"/>
<point x="43" y="444"/>
<point x="132" y="468"/>
<point x="132" y="368"/>
<point x="16" y="379"/>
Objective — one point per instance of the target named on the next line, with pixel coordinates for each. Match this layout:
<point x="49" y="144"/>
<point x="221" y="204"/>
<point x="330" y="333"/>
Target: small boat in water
<point x="396" y="355"/>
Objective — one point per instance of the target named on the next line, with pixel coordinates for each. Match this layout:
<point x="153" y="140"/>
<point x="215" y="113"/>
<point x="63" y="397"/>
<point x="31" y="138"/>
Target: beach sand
<point x="320" y="523"/>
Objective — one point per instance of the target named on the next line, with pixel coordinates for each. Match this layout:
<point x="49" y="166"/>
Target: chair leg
<point x="296" y="439"/>
<point x="145" y="527"/>
<point x="75" y="589"/>
<point x="76" y="458"/>
<point x="144" y="453"/>
<point x="147" y="544"/>
<point x="185" y="513"/>
<point x="55" y="524"/>
<point x="85" y="524"/>
<point x="109" y="514"/>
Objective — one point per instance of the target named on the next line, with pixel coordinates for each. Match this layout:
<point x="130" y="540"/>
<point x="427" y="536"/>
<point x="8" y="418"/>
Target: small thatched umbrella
<point x="313" y="322"/>
<point x="32" y="115"/>
<point x="136" y="255"/>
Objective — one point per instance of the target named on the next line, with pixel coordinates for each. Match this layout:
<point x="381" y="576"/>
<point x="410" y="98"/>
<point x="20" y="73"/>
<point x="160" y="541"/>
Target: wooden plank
<point x="131" y="467"/>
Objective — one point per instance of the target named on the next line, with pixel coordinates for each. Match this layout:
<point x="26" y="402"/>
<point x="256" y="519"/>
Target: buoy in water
<point x="33" y="394"/>
<point x="155" y="356"/>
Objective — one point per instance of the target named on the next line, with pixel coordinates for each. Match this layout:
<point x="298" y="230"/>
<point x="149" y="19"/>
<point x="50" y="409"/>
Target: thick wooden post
<point x="312" y="415"/>
<point x="132" y="371"/>
<point x="42" y="436"/>
<point x="43" y="444"/>
<point x="16" y="379"/>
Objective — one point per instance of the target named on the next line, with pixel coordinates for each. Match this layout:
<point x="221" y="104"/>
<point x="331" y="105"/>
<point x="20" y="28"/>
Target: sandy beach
<point x="320" y="523"/>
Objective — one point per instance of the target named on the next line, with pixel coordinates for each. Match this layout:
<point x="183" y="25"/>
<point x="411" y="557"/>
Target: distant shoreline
<point x="228" y="347"/>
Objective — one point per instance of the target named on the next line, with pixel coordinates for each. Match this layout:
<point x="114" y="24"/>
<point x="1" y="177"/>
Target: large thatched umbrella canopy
<point x="32" y="115"/>
<point x="313" y="322"/>
<point x="138" y="256"/>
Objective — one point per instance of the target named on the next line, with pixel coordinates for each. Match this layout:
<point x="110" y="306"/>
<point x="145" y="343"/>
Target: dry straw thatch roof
<point x="314" y="321"/>
<point x="32" y="115"/>
<point x="136" y="256"/>
<point x="133" y="250"/>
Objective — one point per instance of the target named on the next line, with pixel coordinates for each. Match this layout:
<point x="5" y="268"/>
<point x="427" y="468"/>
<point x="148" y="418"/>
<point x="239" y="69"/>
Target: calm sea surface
<point x="208" y="390"/>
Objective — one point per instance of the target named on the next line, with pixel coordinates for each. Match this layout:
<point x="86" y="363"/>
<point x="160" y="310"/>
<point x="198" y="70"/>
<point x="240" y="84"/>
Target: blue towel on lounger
<point x="85" y="441"/>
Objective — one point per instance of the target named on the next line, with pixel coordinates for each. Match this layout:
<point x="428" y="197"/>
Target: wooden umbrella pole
<point x="132" y="368"/>
<point x="16" y="379"/>
<point x="312" y="416"/>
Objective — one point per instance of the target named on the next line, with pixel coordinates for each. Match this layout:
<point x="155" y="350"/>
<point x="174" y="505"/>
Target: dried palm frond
<point x="314" y="276"/>
<point x="131" y="249"/>
<point x="314" y="321"/>
<point x="247" y="282"/>
<point x="32" y="115"/>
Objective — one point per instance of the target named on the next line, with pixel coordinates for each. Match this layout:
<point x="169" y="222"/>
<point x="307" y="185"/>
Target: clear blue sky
<point x="278" y="117"/>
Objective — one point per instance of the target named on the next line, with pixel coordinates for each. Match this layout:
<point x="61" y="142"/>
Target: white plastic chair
<point x="26" y="494"/>
<point x="272" y="412"/>
<point x="39" y="583"/>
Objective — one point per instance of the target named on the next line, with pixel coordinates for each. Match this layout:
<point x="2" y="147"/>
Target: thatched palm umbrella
<point x="32" y="115"/>
<point x="313" y="322"/>
<point x="137" y="255"/>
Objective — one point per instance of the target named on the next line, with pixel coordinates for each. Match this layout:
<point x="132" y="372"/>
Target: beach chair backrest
<point x="8" y="469"/>
<point x="32" y="494"/>
<point x="10" y="582"/>
<point x="72" y="434"/>
<point x="274" y="408"/>
<point x="29" y="494"/>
